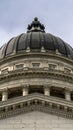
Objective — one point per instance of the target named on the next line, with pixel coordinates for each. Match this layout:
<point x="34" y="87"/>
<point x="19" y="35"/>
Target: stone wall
<point x="36" y="121"/>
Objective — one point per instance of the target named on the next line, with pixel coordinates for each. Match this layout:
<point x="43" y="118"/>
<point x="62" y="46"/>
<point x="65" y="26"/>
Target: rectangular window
<point x="52" y="66"/>
<point x="4" y="71"/>
<point x="19" y="66"/>
<point x="36" y="65"/>
<point x="67" y="70"/>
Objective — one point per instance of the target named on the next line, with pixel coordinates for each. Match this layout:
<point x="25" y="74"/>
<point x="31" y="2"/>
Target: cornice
<point x="36" y="73"/>
<point x="36" y="102"/>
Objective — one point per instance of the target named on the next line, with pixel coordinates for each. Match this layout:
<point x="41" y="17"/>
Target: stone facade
<point x="36" y="121"/>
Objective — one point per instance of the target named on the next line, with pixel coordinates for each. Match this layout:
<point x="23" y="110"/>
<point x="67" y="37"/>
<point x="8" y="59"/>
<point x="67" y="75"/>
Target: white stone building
<point x="36" y="82"/>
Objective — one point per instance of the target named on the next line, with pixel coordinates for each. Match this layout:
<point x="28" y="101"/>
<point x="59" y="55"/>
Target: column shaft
<point x="25" y="90"/>
<point x="47" y="91"/>
<point x="4" y="95"/>
<point x="67" y="95"/>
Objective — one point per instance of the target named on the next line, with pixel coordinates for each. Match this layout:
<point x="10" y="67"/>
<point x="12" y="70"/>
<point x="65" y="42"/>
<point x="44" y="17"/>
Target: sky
<point x="56" y="15"/>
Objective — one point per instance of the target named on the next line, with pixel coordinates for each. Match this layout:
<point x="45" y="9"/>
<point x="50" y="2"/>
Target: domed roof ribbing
<point x="35" y="39"/>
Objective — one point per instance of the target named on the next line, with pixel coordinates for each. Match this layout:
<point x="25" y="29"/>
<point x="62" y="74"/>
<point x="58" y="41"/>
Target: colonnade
<point x="25" y="91"/>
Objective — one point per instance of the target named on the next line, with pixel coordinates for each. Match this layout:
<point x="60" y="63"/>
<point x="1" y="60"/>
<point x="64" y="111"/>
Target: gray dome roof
<point x="35" y="38"/>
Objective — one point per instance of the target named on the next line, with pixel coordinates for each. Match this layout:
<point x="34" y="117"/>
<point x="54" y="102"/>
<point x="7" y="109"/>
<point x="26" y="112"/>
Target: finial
<point x="35" y="19"/>
<point x="36" y="26"/>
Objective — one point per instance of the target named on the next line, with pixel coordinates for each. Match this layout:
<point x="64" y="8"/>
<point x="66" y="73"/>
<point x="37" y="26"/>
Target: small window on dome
<point x="4" y="71"/>
<point x="19" y="66"/>
<point x="52" y="66"/>
<point x="36" y="65"/>
<point x="67" y="70"/>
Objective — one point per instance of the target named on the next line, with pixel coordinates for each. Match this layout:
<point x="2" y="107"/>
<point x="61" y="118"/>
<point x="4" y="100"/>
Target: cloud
<point x="56" y="15"/>
<point x="4" y="36"/>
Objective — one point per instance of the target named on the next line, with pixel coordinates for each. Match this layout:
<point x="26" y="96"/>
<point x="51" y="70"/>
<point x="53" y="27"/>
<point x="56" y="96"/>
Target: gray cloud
<point x="56" y="15"/>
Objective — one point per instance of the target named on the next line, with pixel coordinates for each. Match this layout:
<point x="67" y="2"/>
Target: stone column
<point x="25" y="90"/>
<point x="67" y="95"/>
<point x="47" y="90"/>
<point x="4" y="94"/>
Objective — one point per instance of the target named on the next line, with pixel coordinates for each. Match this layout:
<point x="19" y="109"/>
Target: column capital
<point x="47" y="86"/>
<point x="25" y="86"/>
<point x="67" y="89"/>
<point x="4" y="89"/>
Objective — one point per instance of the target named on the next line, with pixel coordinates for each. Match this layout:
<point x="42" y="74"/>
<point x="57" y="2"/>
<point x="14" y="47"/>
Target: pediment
<point x="36" y="102"/>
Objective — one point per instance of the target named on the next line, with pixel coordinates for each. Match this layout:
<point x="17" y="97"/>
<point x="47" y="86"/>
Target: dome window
<point x="67" y="70"/>
<point x="72" y="95"/>
<point x="0" y="97"/>
<point x="57" y="92"/>
<point x="52" y="66"/>
<point x="36" y="89"/>
<point x="4" y="71"/>
<point x="19" y="66"/>
<point x="35" y="65"/>
<point x="16" y="92"/>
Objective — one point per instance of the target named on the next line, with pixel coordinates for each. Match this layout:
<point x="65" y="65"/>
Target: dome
<point x="35" y="39"/>
<point x="36" y="75"/>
